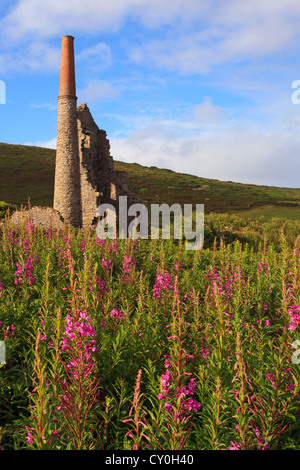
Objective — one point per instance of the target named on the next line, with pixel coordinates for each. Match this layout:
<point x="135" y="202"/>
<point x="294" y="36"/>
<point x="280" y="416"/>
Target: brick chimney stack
<point x="67" y="199"/>
<point x="67" y="68"/>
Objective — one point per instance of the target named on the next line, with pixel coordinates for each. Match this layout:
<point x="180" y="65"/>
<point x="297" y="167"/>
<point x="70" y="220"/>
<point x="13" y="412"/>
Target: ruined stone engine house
<point x="84" y="171"/>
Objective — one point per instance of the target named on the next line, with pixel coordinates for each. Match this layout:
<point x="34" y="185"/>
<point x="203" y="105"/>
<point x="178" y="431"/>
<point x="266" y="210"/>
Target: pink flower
<point x="234" y="446"/>
<point x="190" y="405"/>
<point x="29" y="436"/>
<point x="117" y="314"/>
<point x="128" y="264"/>
<point x="181" y="392"/>
<point x="168" y="407"/>
<point x="101" y="284"/>
<point x="260" y="440"/>
<point x="204" y="353"/>
<point x="1" y="291"/>
<point x="163" y="282"/>
<point x="294" y="313"/>
<point x="77" y="333"/>
<point x="192" y="386"/>
<point x="26" y="271"/>
<point x="270" y="378"/>
<point x="106" y="264"/>
<point x="83" y="245"/>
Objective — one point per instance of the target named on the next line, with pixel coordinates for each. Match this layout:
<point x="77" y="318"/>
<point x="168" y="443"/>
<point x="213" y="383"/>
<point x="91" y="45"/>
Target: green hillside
<point x="28" y="172"/>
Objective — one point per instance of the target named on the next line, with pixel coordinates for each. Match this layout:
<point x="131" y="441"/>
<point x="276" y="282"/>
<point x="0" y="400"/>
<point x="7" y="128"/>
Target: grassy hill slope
<point x="28" y="172"/>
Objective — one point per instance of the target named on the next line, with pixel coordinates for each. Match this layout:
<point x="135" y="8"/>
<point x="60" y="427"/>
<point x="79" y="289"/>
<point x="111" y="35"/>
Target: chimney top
<point x="67" y="36"/>
<point x="67" y="87"/>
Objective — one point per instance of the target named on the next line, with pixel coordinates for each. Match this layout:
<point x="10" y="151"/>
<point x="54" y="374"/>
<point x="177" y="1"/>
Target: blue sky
<point x="198" y="86"/>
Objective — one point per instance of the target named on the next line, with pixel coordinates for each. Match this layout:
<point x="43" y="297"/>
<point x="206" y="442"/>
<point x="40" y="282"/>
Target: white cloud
<point x="229" y="32"/>
<point x="50" y="17"/>
<point x="51" y="144"/>
<point x="98" y="90"/>
<point x="198" y="53"/>
<point x="50" y="106"/>
<point x="207" y="114"/>
<point x="199" y="34"/>
<point x="233" y="150"/>
<point x="33" y="57"/>
<point x="96" y="57"/>
<point x="53" y="16"/>
<point x="157" y="13"/>
<point x="241" y="156"/>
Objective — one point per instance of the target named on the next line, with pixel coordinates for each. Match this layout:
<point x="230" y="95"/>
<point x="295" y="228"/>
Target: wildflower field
<point x="141" y="344"/>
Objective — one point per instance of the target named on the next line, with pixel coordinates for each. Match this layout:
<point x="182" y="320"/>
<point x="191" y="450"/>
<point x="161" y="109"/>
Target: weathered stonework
<point x="99" y="182"/>
<point x="67" y="181"/>
<point x="44" y="217"/>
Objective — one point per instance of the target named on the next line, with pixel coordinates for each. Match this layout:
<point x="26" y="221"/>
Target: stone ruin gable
<point x="100" y="183"/>
<point x="95" y="165"/>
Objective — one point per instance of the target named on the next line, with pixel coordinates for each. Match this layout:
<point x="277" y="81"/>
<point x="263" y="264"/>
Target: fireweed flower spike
<point x="163" y="283"/>
<point x="177" y="387"/>
<point x="137" y="433"/>
<point x="79" y="388"/>
<point x="117" y="314"/>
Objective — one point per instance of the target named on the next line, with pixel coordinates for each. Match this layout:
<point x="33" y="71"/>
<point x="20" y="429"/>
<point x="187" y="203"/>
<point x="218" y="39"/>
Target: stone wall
<point x="67" y="182"/>
<point x="44" y="217"/>
<point x="99" y="182"/>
